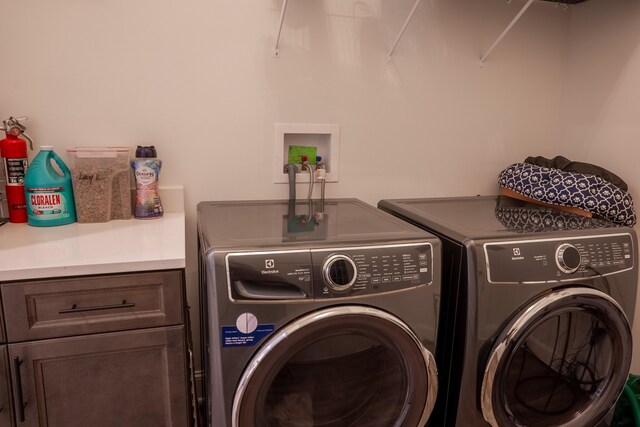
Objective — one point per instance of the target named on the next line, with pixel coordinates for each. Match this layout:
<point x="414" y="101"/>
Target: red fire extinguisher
<point x="13" y="151"/>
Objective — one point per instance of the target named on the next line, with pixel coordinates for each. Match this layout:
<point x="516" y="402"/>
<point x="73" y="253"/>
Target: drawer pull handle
<point x="75" y="309"/>
<point x="16" y="371"/>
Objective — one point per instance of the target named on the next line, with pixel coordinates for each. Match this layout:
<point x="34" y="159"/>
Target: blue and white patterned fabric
<point x="584" y="191"/>
<point x="527" y="220"/>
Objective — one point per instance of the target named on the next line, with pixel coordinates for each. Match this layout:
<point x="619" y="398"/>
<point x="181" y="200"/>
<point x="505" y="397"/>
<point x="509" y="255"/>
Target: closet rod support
<point x="504" y="33"/>
<point x="404" y="27"/>
<point x="276" y="53"/>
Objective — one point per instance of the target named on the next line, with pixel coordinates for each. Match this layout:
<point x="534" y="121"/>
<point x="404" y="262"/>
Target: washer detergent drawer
<point x="276" y="275"/>
<point x="82" y="305"/>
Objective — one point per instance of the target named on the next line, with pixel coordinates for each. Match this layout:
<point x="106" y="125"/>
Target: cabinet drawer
<point x="83" y="305"/>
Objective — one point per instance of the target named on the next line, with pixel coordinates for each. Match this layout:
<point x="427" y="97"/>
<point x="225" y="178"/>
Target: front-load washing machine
<point x="536" y="312"/>
<point x="321" y="314"/>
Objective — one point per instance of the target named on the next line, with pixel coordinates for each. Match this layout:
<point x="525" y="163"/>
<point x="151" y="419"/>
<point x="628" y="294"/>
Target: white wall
<point x="197" y="78"/>
<point x="601" y="109"/>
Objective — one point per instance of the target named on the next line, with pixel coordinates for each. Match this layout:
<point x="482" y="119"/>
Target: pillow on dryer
<point x="578" y="187"/>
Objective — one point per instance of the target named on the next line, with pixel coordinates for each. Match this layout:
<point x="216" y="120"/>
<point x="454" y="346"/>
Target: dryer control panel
<point x="553" y="260"/>
<point x="371" y="269"/>
<point x="328" y="273"/>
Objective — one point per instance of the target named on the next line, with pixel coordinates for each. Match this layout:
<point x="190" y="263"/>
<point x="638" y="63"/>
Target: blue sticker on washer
<point x="232" y="337"/>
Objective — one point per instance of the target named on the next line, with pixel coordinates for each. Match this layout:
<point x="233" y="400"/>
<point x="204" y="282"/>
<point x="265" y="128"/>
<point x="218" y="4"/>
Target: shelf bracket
<point x="504" y="33"/>
<point x="276" y="53"/>
<point x="404" y="27"/>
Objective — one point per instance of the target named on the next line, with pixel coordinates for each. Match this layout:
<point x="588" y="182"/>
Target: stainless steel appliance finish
<point x="536" y="312"/>
<point x="314" y="314"/>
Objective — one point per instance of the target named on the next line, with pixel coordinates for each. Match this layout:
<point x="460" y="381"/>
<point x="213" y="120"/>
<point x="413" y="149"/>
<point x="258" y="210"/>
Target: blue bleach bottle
<point x="146" y="169"/>
<point x="49" y="193"/>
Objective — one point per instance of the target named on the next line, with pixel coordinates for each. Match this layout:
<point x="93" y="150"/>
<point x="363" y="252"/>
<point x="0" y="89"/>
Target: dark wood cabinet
<point x="132" y="378"/>
<point x="107" y="350"/>
<point x="6" y="410"/>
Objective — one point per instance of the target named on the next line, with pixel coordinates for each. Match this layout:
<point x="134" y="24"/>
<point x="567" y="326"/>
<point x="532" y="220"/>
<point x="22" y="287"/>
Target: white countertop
<point x="76" y="249"/>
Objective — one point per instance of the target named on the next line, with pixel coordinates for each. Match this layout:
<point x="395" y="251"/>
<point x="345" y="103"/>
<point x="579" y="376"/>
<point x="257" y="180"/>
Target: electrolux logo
<point x="270" y="266"/>
<point x="517" y="256"/>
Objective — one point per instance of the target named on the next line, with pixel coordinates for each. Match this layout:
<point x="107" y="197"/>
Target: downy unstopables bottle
<point x="49" y="194"/>
<point x="146" y="169"/>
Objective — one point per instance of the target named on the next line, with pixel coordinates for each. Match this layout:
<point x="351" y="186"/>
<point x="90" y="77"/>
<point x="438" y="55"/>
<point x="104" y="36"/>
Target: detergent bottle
<point x="146" y="169"/>
<point x="49" y="194"/>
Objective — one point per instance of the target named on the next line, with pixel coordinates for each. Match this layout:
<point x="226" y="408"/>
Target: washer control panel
<point x="552" y="260"/>
<point x="371" y="269"/>
<point x="326" y="273"/>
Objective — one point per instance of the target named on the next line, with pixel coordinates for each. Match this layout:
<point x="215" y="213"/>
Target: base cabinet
<point x="99" y="351"/>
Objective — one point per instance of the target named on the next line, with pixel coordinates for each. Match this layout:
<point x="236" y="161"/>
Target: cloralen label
<point x="47" y="203"/>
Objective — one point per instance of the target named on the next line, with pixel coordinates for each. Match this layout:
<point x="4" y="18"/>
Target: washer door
<point x="341" y="366"/>
<point x="563" y="361"/>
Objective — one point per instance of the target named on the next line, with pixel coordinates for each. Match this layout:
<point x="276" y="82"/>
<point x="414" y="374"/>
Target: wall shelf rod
<point x="404" y="27"/>
<point x="282" y="12"/>
<point x="504" y="33"/>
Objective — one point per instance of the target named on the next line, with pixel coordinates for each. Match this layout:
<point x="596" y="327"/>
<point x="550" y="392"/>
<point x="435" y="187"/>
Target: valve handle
<point x="15" y="128"/>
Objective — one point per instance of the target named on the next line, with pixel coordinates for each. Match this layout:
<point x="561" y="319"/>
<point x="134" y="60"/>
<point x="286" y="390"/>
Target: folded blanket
<point x="528" y="220"/>
<point x="581" y="190"/>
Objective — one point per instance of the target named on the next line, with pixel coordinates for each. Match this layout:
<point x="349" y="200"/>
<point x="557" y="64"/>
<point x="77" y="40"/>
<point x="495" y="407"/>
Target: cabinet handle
<point x="75" y="309"/>
<point x="16" y="373"/>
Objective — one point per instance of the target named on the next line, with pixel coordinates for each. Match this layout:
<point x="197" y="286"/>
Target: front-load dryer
<point x="321" y="314"/>
<point x="536" y="312"/>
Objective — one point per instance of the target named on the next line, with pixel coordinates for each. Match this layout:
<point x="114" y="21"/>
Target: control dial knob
<point x="568" y="258"/>
<point x="339" y="272"/>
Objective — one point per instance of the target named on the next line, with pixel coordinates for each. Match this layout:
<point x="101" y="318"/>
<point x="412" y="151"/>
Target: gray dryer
<point x="316" y="315"/>
<point x="538" y="304"/>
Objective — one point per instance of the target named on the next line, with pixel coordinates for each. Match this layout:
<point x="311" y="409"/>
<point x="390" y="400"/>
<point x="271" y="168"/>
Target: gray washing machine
<point x="316" y="315"/>
<point x="536" y="312"/>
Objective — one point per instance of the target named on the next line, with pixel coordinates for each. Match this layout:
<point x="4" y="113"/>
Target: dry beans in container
<point x="102" y="188"/>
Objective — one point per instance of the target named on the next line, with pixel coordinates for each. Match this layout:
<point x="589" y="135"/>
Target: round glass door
<point x="342" y="366"/>
<point x="562" y="362"/>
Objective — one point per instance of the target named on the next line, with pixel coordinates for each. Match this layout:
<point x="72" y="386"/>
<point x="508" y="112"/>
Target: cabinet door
<point x="5" y="390"/>
<point x="3" y="338"/>
<point x="132" y="378"/>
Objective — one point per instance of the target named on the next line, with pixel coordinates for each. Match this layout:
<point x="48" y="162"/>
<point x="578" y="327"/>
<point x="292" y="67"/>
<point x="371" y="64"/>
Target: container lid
<point x="98" y="151"/>
<point x="46" y="148"/>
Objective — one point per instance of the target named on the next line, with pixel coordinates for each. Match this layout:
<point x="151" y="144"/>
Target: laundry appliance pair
<point x="536" y="307"/>
<point x="316" y="314"/>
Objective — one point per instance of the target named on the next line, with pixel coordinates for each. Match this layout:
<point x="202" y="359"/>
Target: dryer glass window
<point x="566" y="366"/>
<point x="347" y="370"/>
<point x="559" y="369"/>
<point x="341" y="380"/>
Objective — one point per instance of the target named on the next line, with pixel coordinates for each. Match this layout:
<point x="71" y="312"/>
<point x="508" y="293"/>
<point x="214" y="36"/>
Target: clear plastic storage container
<point x="101" y="182"/>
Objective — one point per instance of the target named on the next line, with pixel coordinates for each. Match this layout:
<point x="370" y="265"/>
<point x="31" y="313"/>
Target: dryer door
<point x="562" y="361"/>
<point x="344" y="365"/>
